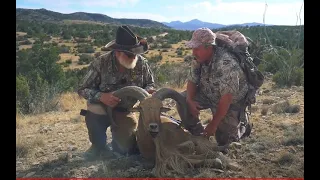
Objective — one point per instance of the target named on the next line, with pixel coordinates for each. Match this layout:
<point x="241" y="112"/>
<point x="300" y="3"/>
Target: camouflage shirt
<point x="220" y="76"/>
<point x="103" y="76"/>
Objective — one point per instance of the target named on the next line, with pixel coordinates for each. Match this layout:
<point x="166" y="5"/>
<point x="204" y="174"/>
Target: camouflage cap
<point x="201" y="36"/>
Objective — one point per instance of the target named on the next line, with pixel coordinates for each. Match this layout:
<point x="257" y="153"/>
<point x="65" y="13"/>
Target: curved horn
<point x="128" y="91"/>
<point x="164" y="93"/>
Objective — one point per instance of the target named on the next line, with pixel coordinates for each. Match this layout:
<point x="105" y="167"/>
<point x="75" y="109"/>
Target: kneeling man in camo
<point x="122" y="66"/>
<point x="217" y="82"/>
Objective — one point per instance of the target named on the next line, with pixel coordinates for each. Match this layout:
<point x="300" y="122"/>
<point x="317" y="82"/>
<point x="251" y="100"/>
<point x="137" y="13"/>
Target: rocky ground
<point x="51" y="144"/>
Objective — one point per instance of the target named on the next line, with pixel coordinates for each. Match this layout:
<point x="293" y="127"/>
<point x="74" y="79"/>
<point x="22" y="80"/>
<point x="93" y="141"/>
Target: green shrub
<point x="289" y="78"/>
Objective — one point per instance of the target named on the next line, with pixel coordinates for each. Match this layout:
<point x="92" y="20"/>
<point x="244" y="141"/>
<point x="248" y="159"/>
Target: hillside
<point x="51" y="16"/>
<point x="44" y="15"/>
<point x="195" y="24"/>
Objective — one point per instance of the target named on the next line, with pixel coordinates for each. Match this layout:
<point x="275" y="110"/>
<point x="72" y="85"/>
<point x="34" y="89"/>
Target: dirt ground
<point x="51" y="144"/>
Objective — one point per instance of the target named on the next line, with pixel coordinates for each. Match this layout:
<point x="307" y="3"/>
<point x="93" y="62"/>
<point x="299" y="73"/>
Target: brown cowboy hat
<point x="127" y="41"/>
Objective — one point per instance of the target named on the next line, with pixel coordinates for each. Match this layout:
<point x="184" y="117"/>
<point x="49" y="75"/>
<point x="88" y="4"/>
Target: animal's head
<point x="150" y="107"/>
<point x="150" y="110"/>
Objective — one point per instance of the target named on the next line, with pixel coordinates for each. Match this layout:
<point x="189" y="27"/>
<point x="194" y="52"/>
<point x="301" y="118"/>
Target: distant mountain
<point x="192" y="25"/>
<point x="51" y="16"/>
<point x="195" y="24"/>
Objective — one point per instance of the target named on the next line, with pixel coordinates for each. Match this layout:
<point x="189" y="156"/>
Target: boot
<point x="94" y="152"/>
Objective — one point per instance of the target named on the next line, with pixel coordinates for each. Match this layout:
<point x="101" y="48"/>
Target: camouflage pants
<point x="230" y="128"/>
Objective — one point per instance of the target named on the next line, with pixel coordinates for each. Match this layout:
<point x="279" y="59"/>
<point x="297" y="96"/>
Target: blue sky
<point x="278" y="12"/>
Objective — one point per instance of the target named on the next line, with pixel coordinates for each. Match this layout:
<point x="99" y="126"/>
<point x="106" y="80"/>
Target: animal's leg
<point x="123" y="136"/>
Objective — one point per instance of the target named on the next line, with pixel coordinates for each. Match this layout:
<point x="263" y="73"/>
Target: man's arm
<point x="191" y="90"/>
<point x="221" y="112"/>
<point x="193" y="81"/>
<point x="89" y="88"/>
<point x="228" y="85"/>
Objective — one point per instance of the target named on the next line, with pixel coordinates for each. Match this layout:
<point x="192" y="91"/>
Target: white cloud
<point x="133" y="15"/>
<point x="84" y="3"/>
<point x="240" y="12"/>
<point x="104" y="3"/>
<point x="284" y="13"/>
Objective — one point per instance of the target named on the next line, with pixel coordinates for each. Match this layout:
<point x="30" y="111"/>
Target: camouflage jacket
<point x="103" y="76"/>
<point x="220" y="76"/>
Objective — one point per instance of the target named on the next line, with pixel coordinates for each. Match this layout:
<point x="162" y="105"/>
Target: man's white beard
<point x="124" y="62"/>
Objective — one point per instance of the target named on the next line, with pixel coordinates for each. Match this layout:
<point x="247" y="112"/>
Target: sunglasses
<point x="129" y="55"/>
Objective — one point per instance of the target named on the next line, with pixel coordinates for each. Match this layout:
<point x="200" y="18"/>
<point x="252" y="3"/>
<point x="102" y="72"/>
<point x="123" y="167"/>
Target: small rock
<point x="133" y="170"/>
<point x="45" y="129"/>
<point x="58" y="149"/>
<point x="251" y="155"/>
<point x="72" y="148"/>
<point x="292" y="149"/>
<point x="94" y="168"/>
<point x="300" y="147"/>
<point x="29" y="174"/>
<point x="266" y="91"/>
<point x="65" y="157"/>
<point x="35" y="163"/>
<point x="271" y="154"/>
<point x="217" y="163"/>
<point x="234" y="166"/>
<point x="235" y="145"/>
<point x="217" y="170"/>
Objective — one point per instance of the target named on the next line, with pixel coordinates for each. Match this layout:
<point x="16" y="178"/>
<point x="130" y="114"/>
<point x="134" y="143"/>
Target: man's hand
<point x="194" y="107"/>
<point x="109" y="99"/>
<point x="210" y="130"/>
<point x="151" y="91"/>
<point x="222" y="110"/>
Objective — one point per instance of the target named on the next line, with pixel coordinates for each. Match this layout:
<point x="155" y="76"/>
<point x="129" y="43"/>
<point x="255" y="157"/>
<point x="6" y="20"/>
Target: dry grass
<point x="171" y="55"/>
<point x="21" y="47"/>
<point x="268" y="101"/>
<point x="71" y="102"/>
<point x="25" y="146"/>
<point x="66" y="56"/>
